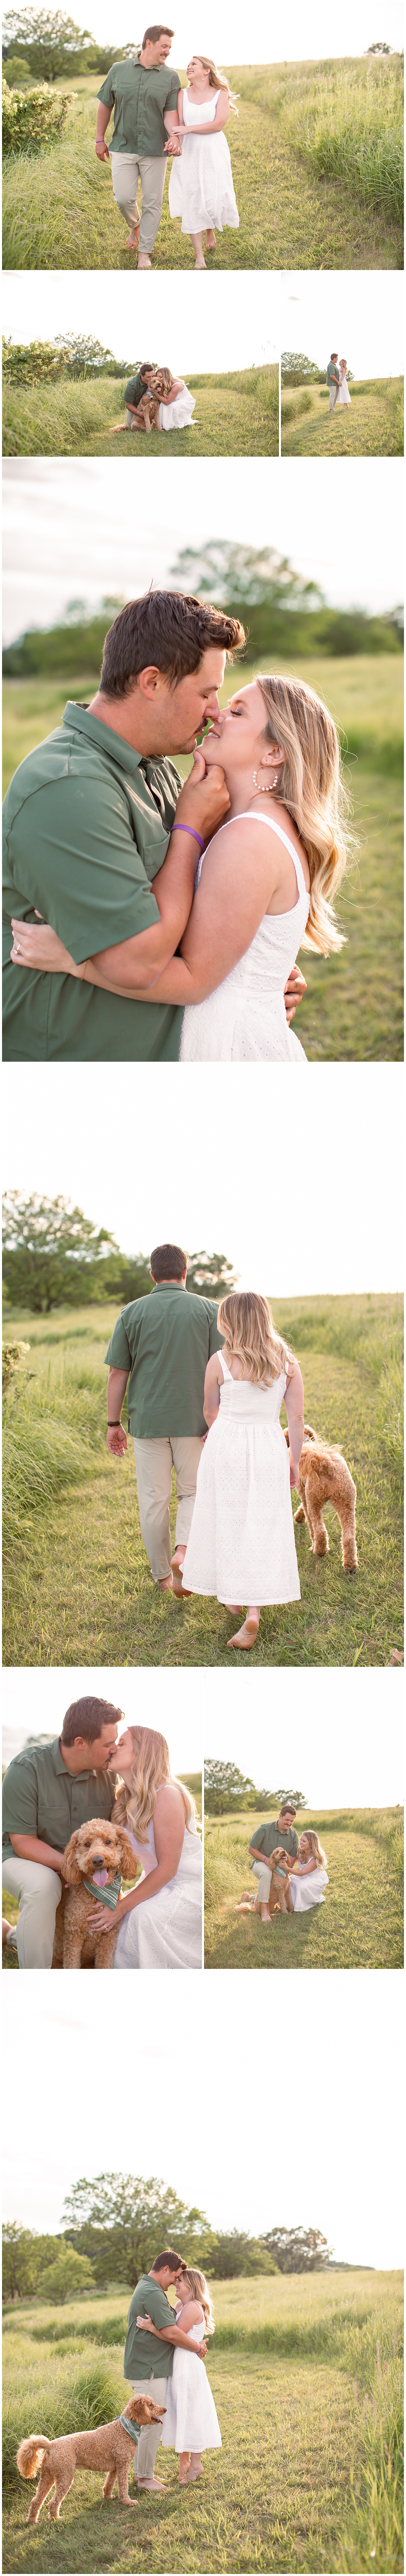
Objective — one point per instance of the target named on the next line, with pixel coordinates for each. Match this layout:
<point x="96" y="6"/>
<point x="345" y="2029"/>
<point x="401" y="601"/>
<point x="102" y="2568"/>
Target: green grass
<point x="236" y="416"/>
<point x="60" y="213"/>
<point x="360" y="1924"/>
<point x="306" y="2381"/>
<point x="372" y="427"/>
<point x="77" y="1586"/>
<point x="353" y="1008"/>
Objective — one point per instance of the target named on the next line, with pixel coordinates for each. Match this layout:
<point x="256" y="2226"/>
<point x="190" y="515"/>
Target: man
<point x="48" y="1791"/>
<point x="333" y="379"/>
<point x="265" y="1841"/>
<point x="152" y="2361"/>
<point x="138" y="386"/>
<point x="162" y="1347"/>
<point x="144" y="94"/>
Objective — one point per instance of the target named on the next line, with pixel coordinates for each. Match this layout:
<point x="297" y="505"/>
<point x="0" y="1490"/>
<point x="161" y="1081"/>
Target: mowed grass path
<point x="360" y="1924"/>
<point x="69" y="419"/>
<point x="373" y="425"/>
<point x="353" y="1008"/>
<point x="294" y="2383"/>
<point x="60" y="212"/>
<point x="77" y="1585"/>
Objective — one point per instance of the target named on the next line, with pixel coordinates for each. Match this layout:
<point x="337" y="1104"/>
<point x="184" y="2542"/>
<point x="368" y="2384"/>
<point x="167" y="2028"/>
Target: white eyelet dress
<point x="190" y="2423"/>
<point x="167" y="1932"/>
<point x="178" y="414"/>
<point x="201" y="181"/>
<point x="308" y="1891"/>
<point x="242" y="1545"/>
<point x="343" y="395"/>
<point x="244" y="1021"/>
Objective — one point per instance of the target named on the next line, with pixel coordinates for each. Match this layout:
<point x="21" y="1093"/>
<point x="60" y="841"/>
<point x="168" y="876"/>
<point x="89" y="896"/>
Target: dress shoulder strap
<point x="249" y="817"/>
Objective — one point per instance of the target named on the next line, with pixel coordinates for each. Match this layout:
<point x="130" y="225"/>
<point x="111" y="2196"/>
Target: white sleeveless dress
<point x="244" y="1021"/>
<point x="343" y="395"/>
<point x="167" y="1933"/>
<point x="201" y="181"/>
<point x="308" y="1891"/>
<point x="242" y="1545"/>
<point x="178" y="414"/>
<point x="190" y="2423"/>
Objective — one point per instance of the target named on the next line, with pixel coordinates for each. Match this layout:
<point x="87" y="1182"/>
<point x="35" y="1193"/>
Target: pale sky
<point x="34" y="1703"/>
<point x="237" y="327"/>
<point x="266" y="35"/>
<point x="224" y="1175"/>
<point x="69" y="531"/>
<point x="219" y="2149"/>
<point x="337" y="1737"/>
<point x="362" y="317"/>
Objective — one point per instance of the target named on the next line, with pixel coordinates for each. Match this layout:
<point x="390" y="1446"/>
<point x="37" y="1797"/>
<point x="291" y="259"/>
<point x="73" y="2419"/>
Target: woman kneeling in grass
<point x="308" y="1877"/>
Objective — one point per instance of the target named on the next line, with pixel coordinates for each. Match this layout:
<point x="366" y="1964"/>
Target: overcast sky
<point x="362" y="317"/>
<point x="225" y="1176"/>
<point x="34" y="1703"/>
<point x="231" y="35"/>
<point x="71" y="530"/>
<point x="236" y="327"/>
<point x="221" y="2149"/>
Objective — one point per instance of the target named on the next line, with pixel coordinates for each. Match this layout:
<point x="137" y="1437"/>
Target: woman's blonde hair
<point x="249" y="1330"/>
<point x="217" y="80"/>
<point x="165" y="379"/>
<point x="199" y="2290"/>
<point x="313" y="791"/>
<point x="150" y="1770"/>
<point x="315" y="1847"/>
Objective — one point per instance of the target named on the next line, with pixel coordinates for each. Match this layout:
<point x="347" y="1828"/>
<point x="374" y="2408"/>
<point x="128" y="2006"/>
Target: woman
<point x="309" y="1874"/>
<point x="264" y="889"/>
<point x="176" y="404"/>
<point x="160" y="1920"/>
<point x="343" y="395"/>
<point x="242" y="1543"/>
<point x="190" y="2423"/>
<point x="201" y="181"/>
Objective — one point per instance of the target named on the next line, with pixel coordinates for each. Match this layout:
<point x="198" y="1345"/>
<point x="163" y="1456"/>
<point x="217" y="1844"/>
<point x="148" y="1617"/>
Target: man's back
<point x="165" y="1341"/>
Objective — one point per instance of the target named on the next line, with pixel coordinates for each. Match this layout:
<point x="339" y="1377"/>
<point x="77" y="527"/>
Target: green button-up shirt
<point x="142" y="2354"/>
<point x="332" y="372"/>
<point x="87" y="824"/>
<point x="135" y="389"/>
<point x="41" y="1797"/>
<point x="268" y="1839"/>
<point x="165" y="1342"/>
<point x="139" y="97"/>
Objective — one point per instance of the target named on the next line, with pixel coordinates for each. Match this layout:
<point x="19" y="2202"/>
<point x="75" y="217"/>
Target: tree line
<point x="115" y="2225"/>
<point x="50" y="47"/>
<point x="53" y="1255"/>
<point x="227" y="1792"/>
<point x="282" y="614"/>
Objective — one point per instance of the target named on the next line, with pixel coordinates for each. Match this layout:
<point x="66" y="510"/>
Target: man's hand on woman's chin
<point x="204" y="800"/>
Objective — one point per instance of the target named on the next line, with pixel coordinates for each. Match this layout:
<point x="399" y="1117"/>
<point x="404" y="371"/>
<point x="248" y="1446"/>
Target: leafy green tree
<point x="298" y="370"/>
<point x="69" y="2275"/>
<point x="122" y="2222"/>
<point x="20" y="2262"/>
<point x="238" y="2254"/>
<point x="297" y="2249"/>
<point x="225" y="1789"/>
<point x="50" y="43"/>
<point x="210" y="1274"/>
<point x="240" y="575"/>
<point x="47" y="1245"/>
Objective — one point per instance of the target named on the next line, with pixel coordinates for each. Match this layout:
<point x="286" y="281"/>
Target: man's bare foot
<point x="177" y="1563"/>
<point x="245" y="1637"/>
<point x="149" y="2483"/>
<point x="132" y="240"/>
<point x="143" y="261"/>
<point x="165" y="1583"/>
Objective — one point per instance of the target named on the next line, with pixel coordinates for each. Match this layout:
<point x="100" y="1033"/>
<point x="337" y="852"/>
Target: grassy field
<point x="360" y="1924"/>
<point x="77" y="1585"/>
<point x="236" y="415"/>
<point x="372" y="427"/>
<point x="353" y="1008"/>
<point x="316" y="167"/>
<point x="307" y="2384"/>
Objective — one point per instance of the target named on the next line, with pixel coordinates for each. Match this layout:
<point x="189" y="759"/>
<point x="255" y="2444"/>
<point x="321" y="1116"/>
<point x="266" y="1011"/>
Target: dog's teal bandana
<point x="106" y="1895"/>
<point x="134" y="2430"/>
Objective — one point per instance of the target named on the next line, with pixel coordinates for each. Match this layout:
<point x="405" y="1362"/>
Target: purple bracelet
<point x="187" y="827"/>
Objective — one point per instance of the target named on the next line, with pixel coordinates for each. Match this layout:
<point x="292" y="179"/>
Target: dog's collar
<point x="105" y="1895"/>
<point x="134" y="2430"/>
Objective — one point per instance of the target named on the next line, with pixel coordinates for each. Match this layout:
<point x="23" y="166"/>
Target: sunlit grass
<point x="371" y="426"/>
<point x="360" y="1924"/>
<point x="235" y="418"/>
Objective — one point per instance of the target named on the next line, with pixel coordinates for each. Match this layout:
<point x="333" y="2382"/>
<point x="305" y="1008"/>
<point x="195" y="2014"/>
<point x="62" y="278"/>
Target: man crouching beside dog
<point x="49" y="1791"/>
<point x="269" y="1838"/>
<point x="134" y="2435"/>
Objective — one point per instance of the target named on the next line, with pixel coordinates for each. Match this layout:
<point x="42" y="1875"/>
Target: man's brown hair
<point x="86" y="1717"/>
<point x="169" y="2257"/>
<point x="168" y="1262"/>
<point x="152" y="33"/>
<point x="170" y="631"/>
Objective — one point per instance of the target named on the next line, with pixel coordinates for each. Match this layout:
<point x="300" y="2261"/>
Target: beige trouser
<point x="151" y="2436"/>
<point x="39" y="1892"/>
<point x="127" y="169"/>
<point x="260" y="1871"/>
<point x="333" y="397"/>
<point x="154" y="1460"/>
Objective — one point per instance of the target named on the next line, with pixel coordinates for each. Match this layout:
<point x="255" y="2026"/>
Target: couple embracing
<point x="174" y="930"/>
<point x="164" y="2354"/>
<point x="88" y="1773"/>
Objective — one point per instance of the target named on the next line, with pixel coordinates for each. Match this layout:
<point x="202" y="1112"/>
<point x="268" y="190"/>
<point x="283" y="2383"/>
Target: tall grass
<point x="53" y="1425"/>
<point x="351" y="131"/>
<point x="235" y="414"/>
<point x="58" y="2403"/>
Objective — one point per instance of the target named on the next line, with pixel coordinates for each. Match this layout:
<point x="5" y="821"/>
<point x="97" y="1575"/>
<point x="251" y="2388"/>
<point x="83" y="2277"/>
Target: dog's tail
<point x="31" y="2453"/>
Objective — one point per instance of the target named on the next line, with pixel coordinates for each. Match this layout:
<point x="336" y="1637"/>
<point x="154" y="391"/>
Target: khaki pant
<point x="333" y="397"/>
<point x="127" y="169"/>
<point x="154" y="1460"/>
<point x="39" y="1892"/>
<point x="264" y="1881"/>
<point x="150" y="2437"/>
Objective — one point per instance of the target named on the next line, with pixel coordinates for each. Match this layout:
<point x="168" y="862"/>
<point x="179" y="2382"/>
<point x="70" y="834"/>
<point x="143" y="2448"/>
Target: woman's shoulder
<point x="169" y="1798"/>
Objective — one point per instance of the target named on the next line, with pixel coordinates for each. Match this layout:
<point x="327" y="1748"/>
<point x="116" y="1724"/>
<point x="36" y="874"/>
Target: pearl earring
<point x="263" y="791"/>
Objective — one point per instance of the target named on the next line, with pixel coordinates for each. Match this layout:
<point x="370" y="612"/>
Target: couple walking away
<point x="155" y="399"/>
<point x="154" y="117"/>
<point x="140" y="954"/>
<point x="88" y="1773"/>
<point x="308" y="1869"/>
<point x="337" y="382"/>
<point x="175" y="2376"/>
<point x="187" y="1365"/>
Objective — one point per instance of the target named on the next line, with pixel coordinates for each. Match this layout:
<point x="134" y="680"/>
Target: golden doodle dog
<point x="279" y="1900"/>
<point x="325" y="1478"/>
<point x="98" y="1852"/>
<point x="109" y="2447"/>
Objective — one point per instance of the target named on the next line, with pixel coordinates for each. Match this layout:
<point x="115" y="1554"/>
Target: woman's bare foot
<point x="165" y="1583"/>
<point x="200" y="263"/>
<point x="177" y="1564"/>
<point x="211" y="243"/>
<point x="246" y="1635"/>
<point x="234" y="1606"/>
<point x="184" y="2466"/>
<point x="143" y="261"/>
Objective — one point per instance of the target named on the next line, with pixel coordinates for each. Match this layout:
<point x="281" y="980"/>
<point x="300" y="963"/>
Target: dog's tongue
<point x="100" y="1877"/>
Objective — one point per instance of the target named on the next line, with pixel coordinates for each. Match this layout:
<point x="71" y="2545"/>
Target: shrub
<point x="32" y="117"/>
<point x="29" y="364"/>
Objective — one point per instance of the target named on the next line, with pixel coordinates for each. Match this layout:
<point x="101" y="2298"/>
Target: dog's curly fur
<point x="96" y="1845"/>
<point x="279" y="1900"/>
<point x="108" y="2447"/>
<point x="325" y="1478"/>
